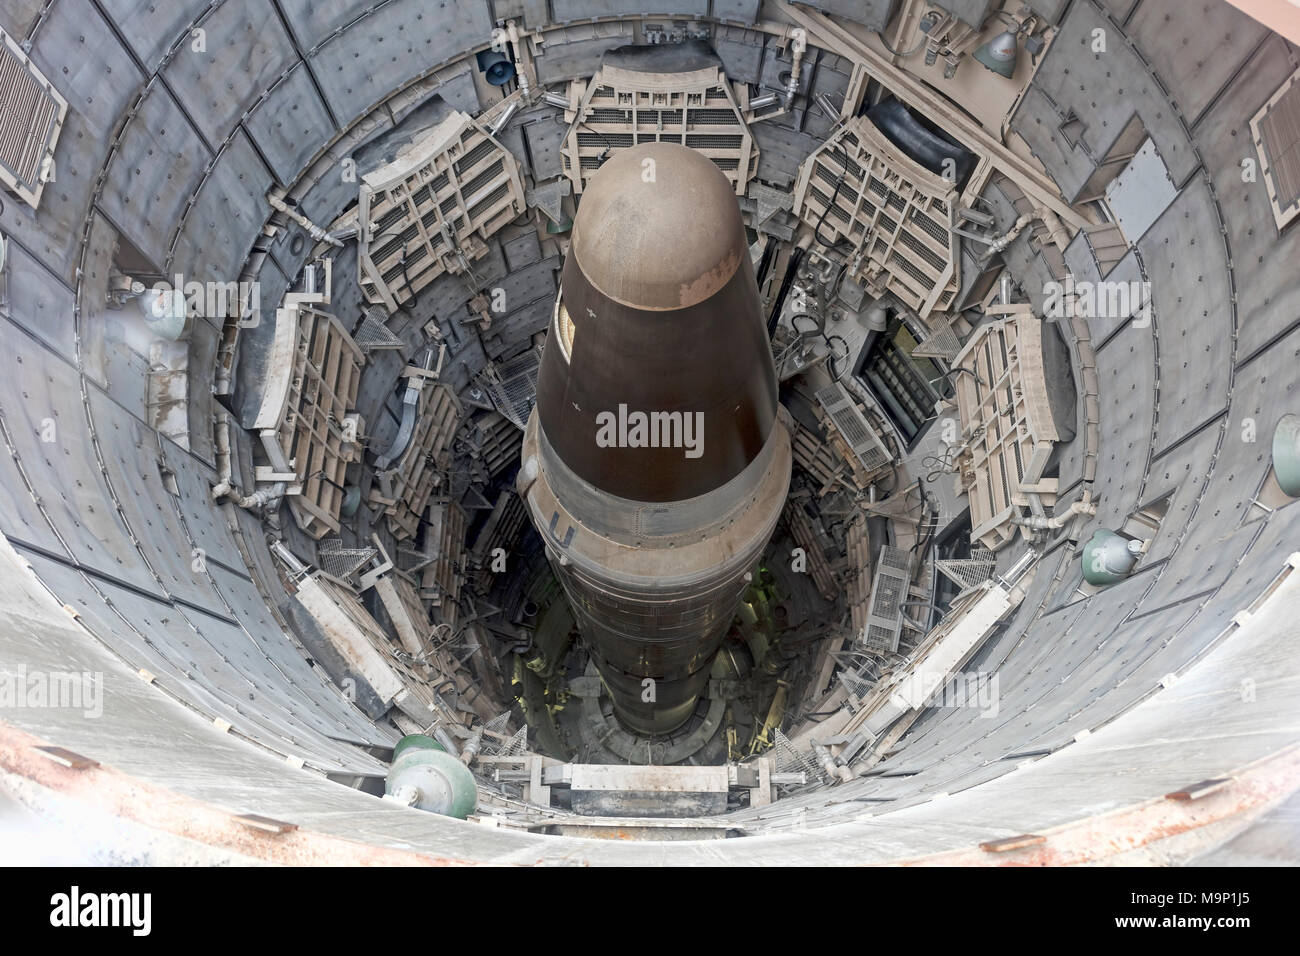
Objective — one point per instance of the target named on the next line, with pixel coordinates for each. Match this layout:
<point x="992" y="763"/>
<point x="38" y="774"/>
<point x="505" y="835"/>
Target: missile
<point x="654" y="464"/>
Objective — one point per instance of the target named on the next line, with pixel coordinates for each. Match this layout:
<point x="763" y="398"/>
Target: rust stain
<point x="162" y="809"/>
<point x="710" y="281"/>
<point x="1083" y="841"/>
<point x="1131" y="828"/>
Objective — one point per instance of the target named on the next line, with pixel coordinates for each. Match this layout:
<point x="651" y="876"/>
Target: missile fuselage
<point x="654" y="465"/>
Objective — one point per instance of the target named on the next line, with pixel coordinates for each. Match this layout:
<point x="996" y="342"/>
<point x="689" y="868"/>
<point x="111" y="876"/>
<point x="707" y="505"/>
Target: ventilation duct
<point x="921" y="143"/>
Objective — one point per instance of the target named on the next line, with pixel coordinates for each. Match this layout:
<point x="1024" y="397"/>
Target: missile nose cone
<point x="659" y="228"/>
<point x="657" y="383"/>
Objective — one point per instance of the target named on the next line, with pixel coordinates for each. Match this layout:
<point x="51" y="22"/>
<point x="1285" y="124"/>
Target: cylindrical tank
<point x="424" y="775"/>
<point x="1109" y="557"/>
<point x="1286" y="455"/>
<point x="654" y="464"/>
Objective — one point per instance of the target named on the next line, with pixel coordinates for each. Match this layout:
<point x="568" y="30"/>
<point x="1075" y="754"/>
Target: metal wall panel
<point x="380" y="53"/>
<point x="247" y="48"/>
<point x="157" y="168"/>
<point x="228" y="213"/>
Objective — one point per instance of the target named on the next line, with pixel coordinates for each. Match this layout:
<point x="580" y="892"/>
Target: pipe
<point x="833" y="770"/>
<point x="1060" y="238"/>
<point x="315" y="231"/>
<point x="224" y="466"/>
<point x="1083" y="506"/>
<point x="261" y="499"/>
<point x="1001" y="242"/>
<point x="506" y="115"/>
<point x="979" y="218"/>
<point x="520" y="73"/>
<point x="796" y="67"/>
<point x="338" y="236"/>
<point x="444" y="738"/>
<point x="472" y="747"/>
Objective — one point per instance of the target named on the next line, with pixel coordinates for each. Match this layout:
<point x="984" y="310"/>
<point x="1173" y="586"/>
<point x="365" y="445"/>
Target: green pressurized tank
<point x="431" y="779"/>
<point x="1109" y="557"/>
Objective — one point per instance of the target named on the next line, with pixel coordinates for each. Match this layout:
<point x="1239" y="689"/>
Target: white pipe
<point x="796" y="67"/>
<point x="505" y="117"/>
<point x="263" y="498"/>
<point x="520" y="72"/>
<point x="1083" y="506"/>
<point x="1000" y="243"/>
<point x="1048" y="218"/>
<point x="315" y="231"/>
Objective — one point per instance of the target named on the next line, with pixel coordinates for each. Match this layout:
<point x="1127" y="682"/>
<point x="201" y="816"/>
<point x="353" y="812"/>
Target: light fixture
<point x="496" y="66"/>
<point x="1000" y="54"/>
<point x="164" y="311"/>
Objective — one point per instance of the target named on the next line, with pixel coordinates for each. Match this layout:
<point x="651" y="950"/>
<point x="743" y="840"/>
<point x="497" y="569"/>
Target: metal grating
<point x="444" y="561"/>
<point x="888" y="593"/>
<point x="340" y="562"/>
<point x="622" y="107"/>
<point x="314" y="374"/>
<point x="404" y="489"/>
<point x="854" y="427"/>
<point x="857" y="684"/>
<point x="789" y="759"/>
<point x="941" y="343"/>
<point x="431" y="210"/>
<point x="1007" y="420"/>
<point x="512" y="385"/>
<point x="516" y="745"/>
<point x="896" y="214"/>
<point x="373" y="335"/>
<point x="493" y="441"/>
<point x="31" y="118"/>
<point x="968" y="572"/>
<point x="1276" y="130"/>
<point x="501" y="530"/>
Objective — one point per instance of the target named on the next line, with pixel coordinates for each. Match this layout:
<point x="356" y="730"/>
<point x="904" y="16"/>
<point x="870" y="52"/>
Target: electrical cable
<point x="970" y="372"/>
<point x="559" y="118"/>
<point x="844" y="171"/>
<point x="919" y="43"/>
<point x="829" y="344"/>
<point x="820" y="329"/>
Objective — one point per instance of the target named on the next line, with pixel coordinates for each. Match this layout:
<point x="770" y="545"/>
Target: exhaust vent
<point x="888" y="594"/>
<point x="31" y="117"/>
<point x="854" y="427"/>
<point x="1276" y="130"/>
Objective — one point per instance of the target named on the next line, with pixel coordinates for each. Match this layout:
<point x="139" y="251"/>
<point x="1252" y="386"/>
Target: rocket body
<point x="654" y="465"/>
